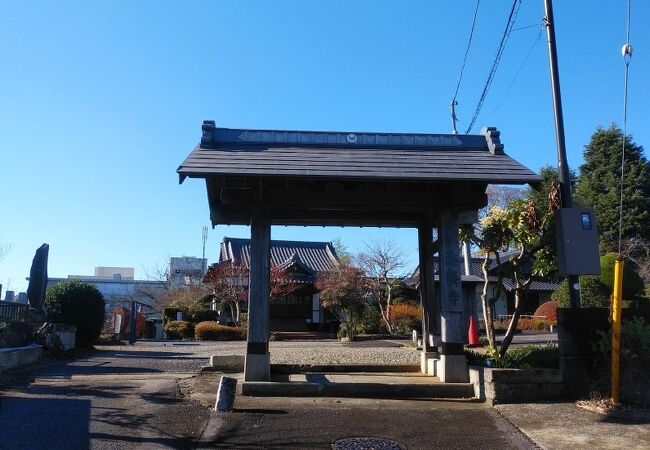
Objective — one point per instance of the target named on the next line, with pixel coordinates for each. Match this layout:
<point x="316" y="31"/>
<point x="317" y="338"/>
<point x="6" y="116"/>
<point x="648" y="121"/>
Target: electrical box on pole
<point x="577" y="242"/>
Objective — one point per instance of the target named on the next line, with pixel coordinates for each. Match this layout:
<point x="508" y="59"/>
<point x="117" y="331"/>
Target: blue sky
<point x="101" y="101"/>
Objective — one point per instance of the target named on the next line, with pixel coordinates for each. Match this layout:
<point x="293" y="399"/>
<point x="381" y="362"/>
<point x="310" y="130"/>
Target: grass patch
<point x="109" y="339"/>
<point x="527" y="357"/>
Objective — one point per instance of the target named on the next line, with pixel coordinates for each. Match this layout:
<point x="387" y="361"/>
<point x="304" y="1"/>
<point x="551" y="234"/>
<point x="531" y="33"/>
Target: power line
<point x="462" y="68"/>
<point x="469" y="43"/>
<point x="526" y="27"/>
<point x="504" y="39"/>
<point x="523" y="63"/>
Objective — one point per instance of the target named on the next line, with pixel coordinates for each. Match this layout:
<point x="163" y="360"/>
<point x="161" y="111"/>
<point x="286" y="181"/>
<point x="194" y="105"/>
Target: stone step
<point x="285" y="369"/>
<point x="357" y="385"/>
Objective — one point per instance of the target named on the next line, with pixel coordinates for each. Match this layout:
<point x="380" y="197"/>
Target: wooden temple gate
<point x="426" y="181"/>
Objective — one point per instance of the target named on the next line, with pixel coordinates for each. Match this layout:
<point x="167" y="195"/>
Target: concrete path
<point x="281" y="423"/>
<point x="106" y="400"/>
<point x="144" y="397"/>
<point x="150" y="396"/>
<point x="565" y="426"/>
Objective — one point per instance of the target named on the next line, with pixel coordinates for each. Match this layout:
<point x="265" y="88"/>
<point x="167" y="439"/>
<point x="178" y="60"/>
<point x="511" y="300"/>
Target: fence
<point x="14" y="312"/>
<point x="522" y="316"/>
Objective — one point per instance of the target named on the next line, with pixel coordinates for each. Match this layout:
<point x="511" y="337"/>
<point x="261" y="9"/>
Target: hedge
<point x="213" y="331"/>
<point x="179" y="329"/>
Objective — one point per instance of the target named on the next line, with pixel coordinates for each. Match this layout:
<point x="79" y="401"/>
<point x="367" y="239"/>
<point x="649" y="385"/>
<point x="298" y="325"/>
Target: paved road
<point x="129" y="397"/>
<point x="107" y="400"/>
<point x="277" y="423"/>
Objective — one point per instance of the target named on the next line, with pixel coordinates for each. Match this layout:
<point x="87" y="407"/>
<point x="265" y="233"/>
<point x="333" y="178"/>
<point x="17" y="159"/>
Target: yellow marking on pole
<point x="616" y="327"/>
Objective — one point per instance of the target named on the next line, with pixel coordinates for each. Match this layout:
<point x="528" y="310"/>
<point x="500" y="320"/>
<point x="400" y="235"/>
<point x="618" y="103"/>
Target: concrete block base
<point x="227" y="363"/>
<point x="453" y="369"/>
<point x="257" y="367"/>
<point x="424" y="361"/>
<point x="19" y="356"/>
<point x="432" y="366"/>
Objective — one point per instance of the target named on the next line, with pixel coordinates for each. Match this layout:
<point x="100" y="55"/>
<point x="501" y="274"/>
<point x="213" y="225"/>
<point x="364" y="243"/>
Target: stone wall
<point x="496" y="386"/>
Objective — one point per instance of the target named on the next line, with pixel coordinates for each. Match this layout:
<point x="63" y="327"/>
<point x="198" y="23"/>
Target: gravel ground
<point x="185" y="357"/>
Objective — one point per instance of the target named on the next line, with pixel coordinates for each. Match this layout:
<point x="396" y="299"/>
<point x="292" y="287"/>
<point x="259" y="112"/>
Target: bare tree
<point x="382" y="263"/>
<point x="637" y="250"/>
<point x="229" y="282"/>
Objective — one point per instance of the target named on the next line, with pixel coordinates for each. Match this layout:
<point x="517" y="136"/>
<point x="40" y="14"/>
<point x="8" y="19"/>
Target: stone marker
<point x="226" y="394"/>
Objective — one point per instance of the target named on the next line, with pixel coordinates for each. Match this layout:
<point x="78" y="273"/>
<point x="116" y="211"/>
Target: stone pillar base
<point x="257" y="367"/>
<point x="453" y="369"/>
<point x="424" y="361"/>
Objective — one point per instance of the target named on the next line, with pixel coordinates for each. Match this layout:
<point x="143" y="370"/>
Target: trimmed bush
<point x="179" y="329"/>
<point x="632" y="282"/>
<point x="169" y="314"/>
<point x="593" y="293"/>
<point x="526" y="324"/>
<point x="205" y="315"/>
<point x="213" y="331"/>
<point x="75" y="302"/>
<point x="548" y="310"/>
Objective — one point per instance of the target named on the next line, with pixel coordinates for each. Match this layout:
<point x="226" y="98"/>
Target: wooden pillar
<point x="257" y="365"/>
<point x="452" y="357"/>
<point x="427" y="292"/>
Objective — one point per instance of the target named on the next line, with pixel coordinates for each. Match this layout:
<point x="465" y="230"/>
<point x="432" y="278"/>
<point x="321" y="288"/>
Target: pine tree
<point x="599" y="186"/>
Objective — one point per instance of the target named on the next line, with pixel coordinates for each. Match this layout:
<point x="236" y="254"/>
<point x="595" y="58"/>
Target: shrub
<point x="212" y="331"/>
<point x="14" y="334"/>
<point x="205" y="315"/>
<point x="527" y="357"/>
<point x="109" y="339"/>
<point x="370" y="320"/>
<point x="526" y="324"/>
<point x="405" y="317"/>
<point x="635" y="361"/>
<point x="75" y="302"/>
<point x="349" y="329"/>
<point x="548" y="310"/>
<point x="169" y="313"/>
<point x="632" y="282"/>
<point x="179" y="329"/>
<point x="593" y="293"/>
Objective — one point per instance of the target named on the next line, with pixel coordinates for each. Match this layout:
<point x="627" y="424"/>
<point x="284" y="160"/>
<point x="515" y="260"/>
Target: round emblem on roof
<point x="352" y="138"/>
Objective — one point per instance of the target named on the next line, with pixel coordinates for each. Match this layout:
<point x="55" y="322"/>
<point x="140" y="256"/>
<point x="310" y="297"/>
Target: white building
<point x="119" y="288"/>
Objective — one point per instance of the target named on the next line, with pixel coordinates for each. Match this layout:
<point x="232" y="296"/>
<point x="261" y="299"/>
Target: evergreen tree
<point x="599" y="186"/>
<point x="540" y="195"/>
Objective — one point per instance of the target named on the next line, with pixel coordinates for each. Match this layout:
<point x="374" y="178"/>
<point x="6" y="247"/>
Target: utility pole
<point x="454" y="119"/>
<point x="562" y="165"/>
<point x="204" y="238"/>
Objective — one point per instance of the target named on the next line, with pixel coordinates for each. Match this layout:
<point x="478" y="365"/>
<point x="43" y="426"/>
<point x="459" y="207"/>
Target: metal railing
<point x="14" y="312"/>
<point x="522" y="316"/>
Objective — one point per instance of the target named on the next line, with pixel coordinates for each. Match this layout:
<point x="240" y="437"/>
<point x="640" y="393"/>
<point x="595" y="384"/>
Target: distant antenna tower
<point x="204" y="238"/>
